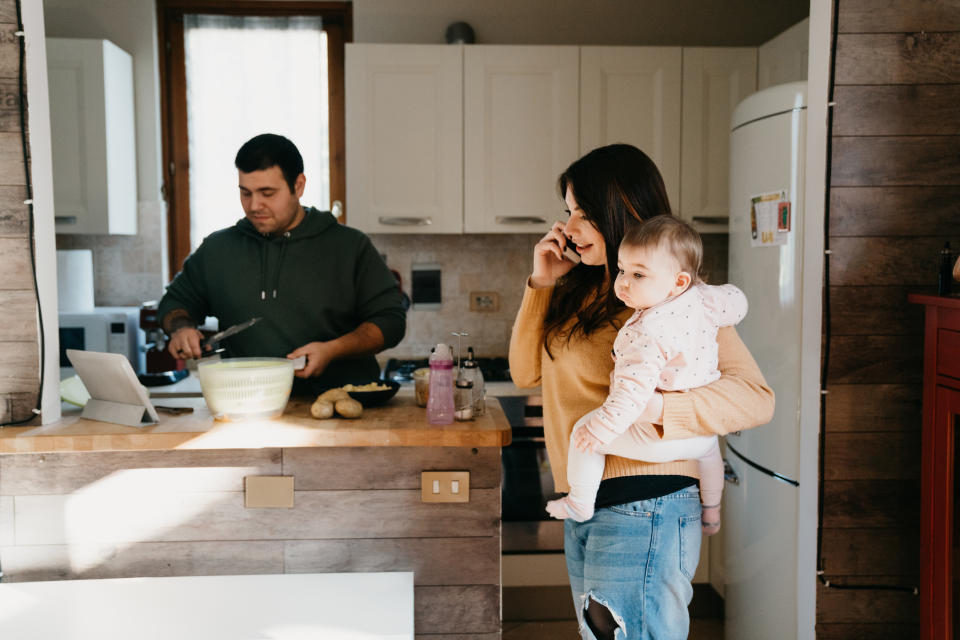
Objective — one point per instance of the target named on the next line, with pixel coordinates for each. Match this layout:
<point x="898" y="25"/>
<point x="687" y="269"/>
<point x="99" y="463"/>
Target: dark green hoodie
<point x="316" y="282"/>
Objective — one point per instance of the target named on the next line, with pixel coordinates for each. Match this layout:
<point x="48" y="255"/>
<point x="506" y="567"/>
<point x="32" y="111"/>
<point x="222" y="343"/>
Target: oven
<point x="527" y="481"/>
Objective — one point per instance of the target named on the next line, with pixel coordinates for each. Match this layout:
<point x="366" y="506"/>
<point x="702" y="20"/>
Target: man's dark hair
<point x="270" y="150"/>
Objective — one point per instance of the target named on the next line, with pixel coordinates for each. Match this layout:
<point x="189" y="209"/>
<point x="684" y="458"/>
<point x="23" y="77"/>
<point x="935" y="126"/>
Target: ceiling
<point x="585" y="22"/>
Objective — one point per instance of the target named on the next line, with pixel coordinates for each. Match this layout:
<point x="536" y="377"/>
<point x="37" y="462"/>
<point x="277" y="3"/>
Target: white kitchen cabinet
<point x="404" y="137"/>
<point x="632" y="95"/>
<point x="93" y="136"/>
<point x="715" y="79"/>
<point x="521" y="124"/>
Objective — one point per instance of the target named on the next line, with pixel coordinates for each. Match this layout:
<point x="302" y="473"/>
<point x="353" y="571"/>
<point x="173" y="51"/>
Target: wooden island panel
<point x="74" y="515"/>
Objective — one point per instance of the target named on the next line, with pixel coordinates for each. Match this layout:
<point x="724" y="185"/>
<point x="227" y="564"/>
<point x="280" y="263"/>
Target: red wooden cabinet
<point x="941" y="421"/>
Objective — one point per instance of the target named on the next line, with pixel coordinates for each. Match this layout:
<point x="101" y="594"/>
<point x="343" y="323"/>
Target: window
<point x="236" y="69"/>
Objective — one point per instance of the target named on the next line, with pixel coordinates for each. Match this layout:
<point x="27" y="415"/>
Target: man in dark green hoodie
<point x="321" y="289"/>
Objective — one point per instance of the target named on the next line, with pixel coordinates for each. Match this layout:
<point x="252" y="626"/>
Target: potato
<point x="348" y="408"/>
<point x="332" y="395"/>
<point x="321" y="409"/>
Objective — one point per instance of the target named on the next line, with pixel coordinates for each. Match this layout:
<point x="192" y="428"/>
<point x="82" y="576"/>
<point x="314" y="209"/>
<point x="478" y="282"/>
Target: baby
<point x="670" y="343"/>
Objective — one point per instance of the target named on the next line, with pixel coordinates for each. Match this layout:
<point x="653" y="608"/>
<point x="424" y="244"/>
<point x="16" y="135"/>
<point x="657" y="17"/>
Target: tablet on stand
<point x="116" y="394"/>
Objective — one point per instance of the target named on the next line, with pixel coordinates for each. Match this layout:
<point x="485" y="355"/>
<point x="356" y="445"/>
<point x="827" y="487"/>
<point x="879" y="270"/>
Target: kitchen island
<point x="86" y="499"/>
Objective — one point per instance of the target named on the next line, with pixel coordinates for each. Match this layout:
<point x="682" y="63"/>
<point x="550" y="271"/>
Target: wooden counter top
<point x="400" y="423"/>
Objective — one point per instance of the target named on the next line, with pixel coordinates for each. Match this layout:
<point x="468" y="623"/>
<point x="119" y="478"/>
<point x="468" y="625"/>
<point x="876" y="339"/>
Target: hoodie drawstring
<point x="263" y="270"/>
<point x="283" y="248"/>
<point x="264" y="247"/>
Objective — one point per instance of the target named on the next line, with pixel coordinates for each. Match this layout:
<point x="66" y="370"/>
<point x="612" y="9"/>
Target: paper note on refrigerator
<point x="770" y="221"/>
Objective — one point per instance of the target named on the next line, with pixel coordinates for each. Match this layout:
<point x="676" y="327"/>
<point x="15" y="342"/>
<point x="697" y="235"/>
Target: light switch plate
<point x="268" y="492"/>
<point x="445" y="486"/>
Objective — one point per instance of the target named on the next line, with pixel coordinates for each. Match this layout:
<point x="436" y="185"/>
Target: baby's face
<point x="648" y="276"/>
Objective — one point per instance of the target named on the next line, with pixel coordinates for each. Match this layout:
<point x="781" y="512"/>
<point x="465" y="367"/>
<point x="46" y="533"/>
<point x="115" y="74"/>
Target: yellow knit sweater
<point x="577" y="380"/>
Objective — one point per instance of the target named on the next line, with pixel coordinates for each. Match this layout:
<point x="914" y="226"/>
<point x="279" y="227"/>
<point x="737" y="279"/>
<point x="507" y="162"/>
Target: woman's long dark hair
<point x="617" y="187"/>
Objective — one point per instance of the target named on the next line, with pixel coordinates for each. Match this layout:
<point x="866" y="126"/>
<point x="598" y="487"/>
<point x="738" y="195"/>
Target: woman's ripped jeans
<point x="636" y="560"/>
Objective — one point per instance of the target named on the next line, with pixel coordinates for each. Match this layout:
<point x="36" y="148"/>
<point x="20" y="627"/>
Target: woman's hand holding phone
<point x="549" y="263"/>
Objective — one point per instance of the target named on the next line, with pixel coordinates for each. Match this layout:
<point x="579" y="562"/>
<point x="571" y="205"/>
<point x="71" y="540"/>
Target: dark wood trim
<point x="894" y="211"/>
<point x="888" y="161"/>
<point x="870" y="16"/>
<point x="897" y="110"/>
<point x="340" y="12"/>
<point x="874" y="408"/>
<point x="336" y="103"/>
<point x="176" y="157"/>
<point x="337" y="22"/>
<point x="898" y="58"/>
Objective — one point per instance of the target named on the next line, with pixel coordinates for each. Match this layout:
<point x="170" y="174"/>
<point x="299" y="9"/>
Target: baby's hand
<point x="585" y="441"/>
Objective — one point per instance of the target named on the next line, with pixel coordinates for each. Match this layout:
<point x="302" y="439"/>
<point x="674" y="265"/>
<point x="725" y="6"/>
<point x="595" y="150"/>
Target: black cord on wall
<point x="826" y="582"/>
<point x="29" y="202"/>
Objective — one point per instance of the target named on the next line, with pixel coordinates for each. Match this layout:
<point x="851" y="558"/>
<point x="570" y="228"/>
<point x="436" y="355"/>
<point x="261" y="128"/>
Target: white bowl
<point x="243" y="388"/>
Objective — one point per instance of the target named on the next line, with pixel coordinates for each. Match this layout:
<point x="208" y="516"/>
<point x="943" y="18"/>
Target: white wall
<point x="785" y="57"/>
<point x="618" y="22"/>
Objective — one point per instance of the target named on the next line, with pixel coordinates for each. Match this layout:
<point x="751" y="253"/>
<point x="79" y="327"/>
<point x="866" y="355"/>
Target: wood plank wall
<point x="19" y="352"/>
<point x="118" y="514"/>
<point x="894" y="200"/>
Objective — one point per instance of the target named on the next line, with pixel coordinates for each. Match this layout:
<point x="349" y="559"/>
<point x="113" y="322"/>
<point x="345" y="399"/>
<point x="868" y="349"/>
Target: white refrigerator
<point x="763" y="534"/>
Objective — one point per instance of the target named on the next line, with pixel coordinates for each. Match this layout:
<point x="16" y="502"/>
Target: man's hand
<point x="185" y="343"/>
<point x="585" y="441"/>
<point x="318" y="354"/>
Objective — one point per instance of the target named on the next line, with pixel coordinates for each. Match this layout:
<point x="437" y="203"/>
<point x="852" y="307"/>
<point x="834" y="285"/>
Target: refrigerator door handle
<point x="763" y="469"/>
<point x="729" y="473"/>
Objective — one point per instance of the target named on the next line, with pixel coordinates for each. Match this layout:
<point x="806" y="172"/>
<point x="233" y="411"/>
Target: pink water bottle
<point x="440" y="401"/>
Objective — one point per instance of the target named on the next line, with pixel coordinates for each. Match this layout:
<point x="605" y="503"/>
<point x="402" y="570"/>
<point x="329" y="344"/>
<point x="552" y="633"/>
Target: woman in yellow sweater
<point x="630" y="565"/>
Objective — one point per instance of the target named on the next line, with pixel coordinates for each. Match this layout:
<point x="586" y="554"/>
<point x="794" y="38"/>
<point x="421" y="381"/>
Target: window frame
<point x="338" y="25"/>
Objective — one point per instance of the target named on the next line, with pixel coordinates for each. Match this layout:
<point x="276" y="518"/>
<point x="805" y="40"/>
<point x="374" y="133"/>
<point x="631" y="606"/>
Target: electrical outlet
<point x="445" y="486"/>
<point x="484" y="301"/>
<point x="268" y="492"/>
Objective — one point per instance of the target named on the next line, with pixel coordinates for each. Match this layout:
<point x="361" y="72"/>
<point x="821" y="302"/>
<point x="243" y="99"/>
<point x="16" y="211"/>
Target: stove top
<point x="401" y="370"/>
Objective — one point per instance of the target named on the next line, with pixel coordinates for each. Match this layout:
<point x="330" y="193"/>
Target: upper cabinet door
<point x="521" y="115"/>
<point x="714" y="81"/>
<point x="92" y="136"/>
<point x="404" y="120"/>
<point x="632" y="95"/>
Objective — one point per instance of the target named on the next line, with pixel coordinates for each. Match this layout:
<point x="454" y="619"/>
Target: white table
<point x="309" y="606"/>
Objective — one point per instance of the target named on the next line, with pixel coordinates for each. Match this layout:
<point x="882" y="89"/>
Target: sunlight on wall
<point x="143" y="505"/>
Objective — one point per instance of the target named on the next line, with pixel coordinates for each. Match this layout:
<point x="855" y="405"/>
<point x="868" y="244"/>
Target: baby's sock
<point x="565" y="507"/>
<point x="710" y="519"/>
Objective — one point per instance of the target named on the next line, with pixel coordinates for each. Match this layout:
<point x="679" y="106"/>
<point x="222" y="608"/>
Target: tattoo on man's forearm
<point x="176" y="320"/>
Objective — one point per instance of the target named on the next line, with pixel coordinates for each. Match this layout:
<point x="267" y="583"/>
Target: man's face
<point x="268" y="202"/>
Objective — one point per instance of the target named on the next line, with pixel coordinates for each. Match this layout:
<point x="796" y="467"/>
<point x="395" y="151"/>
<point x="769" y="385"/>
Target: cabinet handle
<point x="520" y="220"/>
<point x="400" y="221"/>
<point x="65" y="219"/>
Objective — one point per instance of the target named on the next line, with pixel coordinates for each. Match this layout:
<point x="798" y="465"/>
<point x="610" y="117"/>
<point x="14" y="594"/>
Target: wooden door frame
<point x="337" y="22"/>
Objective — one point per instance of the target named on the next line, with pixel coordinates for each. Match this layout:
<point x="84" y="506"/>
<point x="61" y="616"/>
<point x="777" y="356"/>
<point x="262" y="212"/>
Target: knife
<point x="214" y="341"/>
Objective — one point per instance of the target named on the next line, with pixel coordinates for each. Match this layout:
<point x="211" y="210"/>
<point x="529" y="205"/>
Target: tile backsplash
<point x="482" y="262"/>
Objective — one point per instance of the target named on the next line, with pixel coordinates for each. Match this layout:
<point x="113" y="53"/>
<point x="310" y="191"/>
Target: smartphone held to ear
<point x="570" y="251"/>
